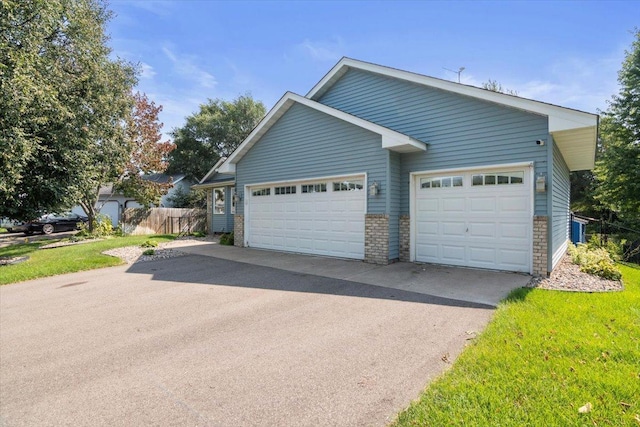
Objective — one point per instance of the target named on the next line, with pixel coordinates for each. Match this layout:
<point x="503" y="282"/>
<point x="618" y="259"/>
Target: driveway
<point x="205" y="341"/>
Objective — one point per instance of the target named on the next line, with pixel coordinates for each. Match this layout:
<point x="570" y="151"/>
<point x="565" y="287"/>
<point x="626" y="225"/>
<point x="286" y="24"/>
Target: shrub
<point x="149" y="252"/>
<point x="227" y="239"/>
<point x="594" y="261"/>
<point x="102" y="227"/>
<point x="149" y="244"/>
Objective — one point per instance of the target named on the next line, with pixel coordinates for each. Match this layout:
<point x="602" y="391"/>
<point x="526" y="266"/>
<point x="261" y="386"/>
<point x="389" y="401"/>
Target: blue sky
<point x="563" y="52"/>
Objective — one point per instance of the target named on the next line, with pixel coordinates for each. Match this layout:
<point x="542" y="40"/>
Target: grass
<point x="3" y="230"/>
<point x="544" y="355"/>
<point x="68" y="259"/>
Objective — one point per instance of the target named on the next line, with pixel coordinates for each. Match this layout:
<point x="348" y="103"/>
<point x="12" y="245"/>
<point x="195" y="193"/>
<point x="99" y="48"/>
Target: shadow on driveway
<point x="214" y="271"/>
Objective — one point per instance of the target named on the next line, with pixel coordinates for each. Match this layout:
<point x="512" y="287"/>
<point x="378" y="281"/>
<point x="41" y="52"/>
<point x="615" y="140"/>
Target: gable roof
<point x="213" y="170"/>
<point x="391" y="139"/>
<point x="574" y="131"/>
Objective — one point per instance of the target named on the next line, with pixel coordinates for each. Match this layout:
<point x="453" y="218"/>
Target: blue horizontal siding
<point x="460" y="131"/>
<point x="305" y="143"/>
<point x="393" y="203"/>
<point x="560" y="199"/>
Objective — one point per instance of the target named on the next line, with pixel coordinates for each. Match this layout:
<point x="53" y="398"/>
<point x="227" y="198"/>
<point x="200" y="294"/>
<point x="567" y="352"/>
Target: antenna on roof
<point x="460" y="70"/>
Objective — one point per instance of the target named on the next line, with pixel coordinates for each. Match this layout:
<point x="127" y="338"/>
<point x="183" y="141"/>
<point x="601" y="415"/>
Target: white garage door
<point x="322" y="217"/>
<point x="475" y="218"/>
<point x="112" y="210"/>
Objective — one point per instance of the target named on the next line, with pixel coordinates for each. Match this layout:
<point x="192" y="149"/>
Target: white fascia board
<point x="393" y="139"/>
<point x="560" y="118"/>
<point x="213" y="169"/>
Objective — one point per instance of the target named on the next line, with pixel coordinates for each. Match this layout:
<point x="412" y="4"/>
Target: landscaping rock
<point x="568" y="277"/>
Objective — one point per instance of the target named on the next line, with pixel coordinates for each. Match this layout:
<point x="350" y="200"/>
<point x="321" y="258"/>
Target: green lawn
<point x="68" y="259"/>
<point x="544" y="355"/>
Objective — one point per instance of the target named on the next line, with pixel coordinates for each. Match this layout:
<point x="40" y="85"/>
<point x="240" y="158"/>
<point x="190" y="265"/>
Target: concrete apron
<point x="458" y="283"/>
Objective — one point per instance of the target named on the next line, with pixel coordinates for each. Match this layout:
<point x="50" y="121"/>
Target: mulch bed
<point x="568" y="277"/>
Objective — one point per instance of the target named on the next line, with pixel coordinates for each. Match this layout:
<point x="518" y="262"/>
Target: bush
<point x="149" y="252"/>
<point x="149" y="244"/>
<point x="594" y="261"/>
<point x="102" y="227"/>
<point x="227" y="239"/>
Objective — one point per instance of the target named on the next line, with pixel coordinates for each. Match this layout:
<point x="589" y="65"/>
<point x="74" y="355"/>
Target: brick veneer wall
<point x="376" y="239"/>
<point x="540" y="245"/>
<point x="405" y="238"/>
<point x="238" y="230"/>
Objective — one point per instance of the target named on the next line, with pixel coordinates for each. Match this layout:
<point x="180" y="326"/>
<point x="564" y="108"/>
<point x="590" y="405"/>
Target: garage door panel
<point x="481" y="255"/>
<point x="483" y="225"/>
<point x="482" y="229"/>
<point x="453" y="205"/>
<point x="453" y="228"/>
<point x="482" y="204"/>
<point x="324" y="223"/>
<point x="514" y="231"/>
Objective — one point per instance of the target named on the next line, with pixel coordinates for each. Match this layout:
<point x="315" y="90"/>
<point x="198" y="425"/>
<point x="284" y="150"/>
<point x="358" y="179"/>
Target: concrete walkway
<point x="465" y="284"/>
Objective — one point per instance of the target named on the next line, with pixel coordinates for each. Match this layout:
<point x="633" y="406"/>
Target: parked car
<point x="52" y="223"/>
<point x="13" y="226"/>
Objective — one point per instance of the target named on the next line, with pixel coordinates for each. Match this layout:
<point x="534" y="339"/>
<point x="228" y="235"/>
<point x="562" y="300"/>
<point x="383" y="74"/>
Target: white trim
<point x="213" y="169"/>
<point x="390" y="139"/>
<point x="247" y="193"/>
<point x="413" y="176"/>
<point x="557" y="255"/>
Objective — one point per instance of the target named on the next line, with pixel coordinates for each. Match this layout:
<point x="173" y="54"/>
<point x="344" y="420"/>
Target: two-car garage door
<point x="477" y="218"/>
<point x="322" y="217"/>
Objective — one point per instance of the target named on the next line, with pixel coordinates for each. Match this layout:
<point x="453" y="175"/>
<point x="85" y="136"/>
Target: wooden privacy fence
<point x="163" y="220"/>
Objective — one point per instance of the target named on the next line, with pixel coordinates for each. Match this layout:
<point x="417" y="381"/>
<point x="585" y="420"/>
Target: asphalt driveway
<point x="200" y="340"/>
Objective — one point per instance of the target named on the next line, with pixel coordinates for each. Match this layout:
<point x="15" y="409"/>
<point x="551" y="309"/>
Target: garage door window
<point x="441" y="181"/>
<point x="261" y="192"/>
<point x="218" y="207"/>
<point x="290" y="189"/>
<point x="353" y="185"/>
<point x="499" y="178"/>
<point x="314" y="188"/>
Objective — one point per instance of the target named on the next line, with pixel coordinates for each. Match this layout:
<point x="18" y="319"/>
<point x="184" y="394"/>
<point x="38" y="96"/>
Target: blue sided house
<point x="380" y="164"/>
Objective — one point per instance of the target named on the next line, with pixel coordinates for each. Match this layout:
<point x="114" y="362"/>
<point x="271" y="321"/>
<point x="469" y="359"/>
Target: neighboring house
<point x="114" y="203"/>
<point x="221" y="199"/>
<point x="380" y="164"/>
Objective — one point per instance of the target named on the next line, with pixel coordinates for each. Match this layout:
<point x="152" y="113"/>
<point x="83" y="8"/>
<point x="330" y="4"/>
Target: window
<point x="290" y="189"/>
<point x="314" y="188"/>
<point x="354" y="185"/>
<point x="441" y="181"/>
<point x="233" y="200"/>
<point x="218" y="204"/>
<point x="499" y="178"/>
<point x="261" y="192"/>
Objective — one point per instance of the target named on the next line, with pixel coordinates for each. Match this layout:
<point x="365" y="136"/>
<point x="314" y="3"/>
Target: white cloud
<point x="146" y="71"/>
<point x="324" y="51"/>
<point x="186" y="66"/>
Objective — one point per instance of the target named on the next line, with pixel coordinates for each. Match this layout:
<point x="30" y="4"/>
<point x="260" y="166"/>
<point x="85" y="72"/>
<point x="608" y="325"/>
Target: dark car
<point x="52" y="223"/>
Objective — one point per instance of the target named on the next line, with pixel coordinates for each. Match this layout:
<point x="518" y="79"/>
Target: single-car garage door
<point x="322" y="217"/>
<point x="477" y="218"/>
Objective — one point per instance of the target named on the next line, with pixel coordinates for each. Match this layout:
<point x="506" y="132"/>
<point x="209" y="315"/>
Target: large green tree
<point x="213" y="132"/>
<point x="64" y="106"/>
<point x="618" y="168"/>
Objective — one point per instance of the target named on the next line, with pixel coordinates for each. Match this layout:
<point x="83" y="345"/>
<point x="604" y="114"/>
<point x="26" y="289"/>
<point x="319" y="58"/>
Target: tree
<point x="63" y="104"/>
<point x="213" y="132"/>
<point x="618" y="168"/>
<point x="188" y="199"/>
<point x="495" y="86"/>
<point x="139" y="154"/>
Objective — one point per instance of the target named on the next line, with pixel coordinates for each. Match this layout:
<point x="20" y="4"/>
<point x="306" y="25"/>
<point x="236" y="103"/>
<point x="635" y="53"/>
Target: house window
<point x="441" y="181"/>
<point x="353" y="185"/>
<point x="498" y="178"/>
<point x="218" y="204"/>
<point x="261" y="192"/>
<point x="290" y="189"/>
<point x="314" y="188"/>
<point x="233" y="200"/>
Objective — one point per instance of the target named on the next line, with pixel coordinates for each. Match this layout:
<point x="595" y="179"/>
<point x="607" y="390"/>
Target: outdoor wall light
<point x="237" y="197"/>
<point x="373" y="189"/>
